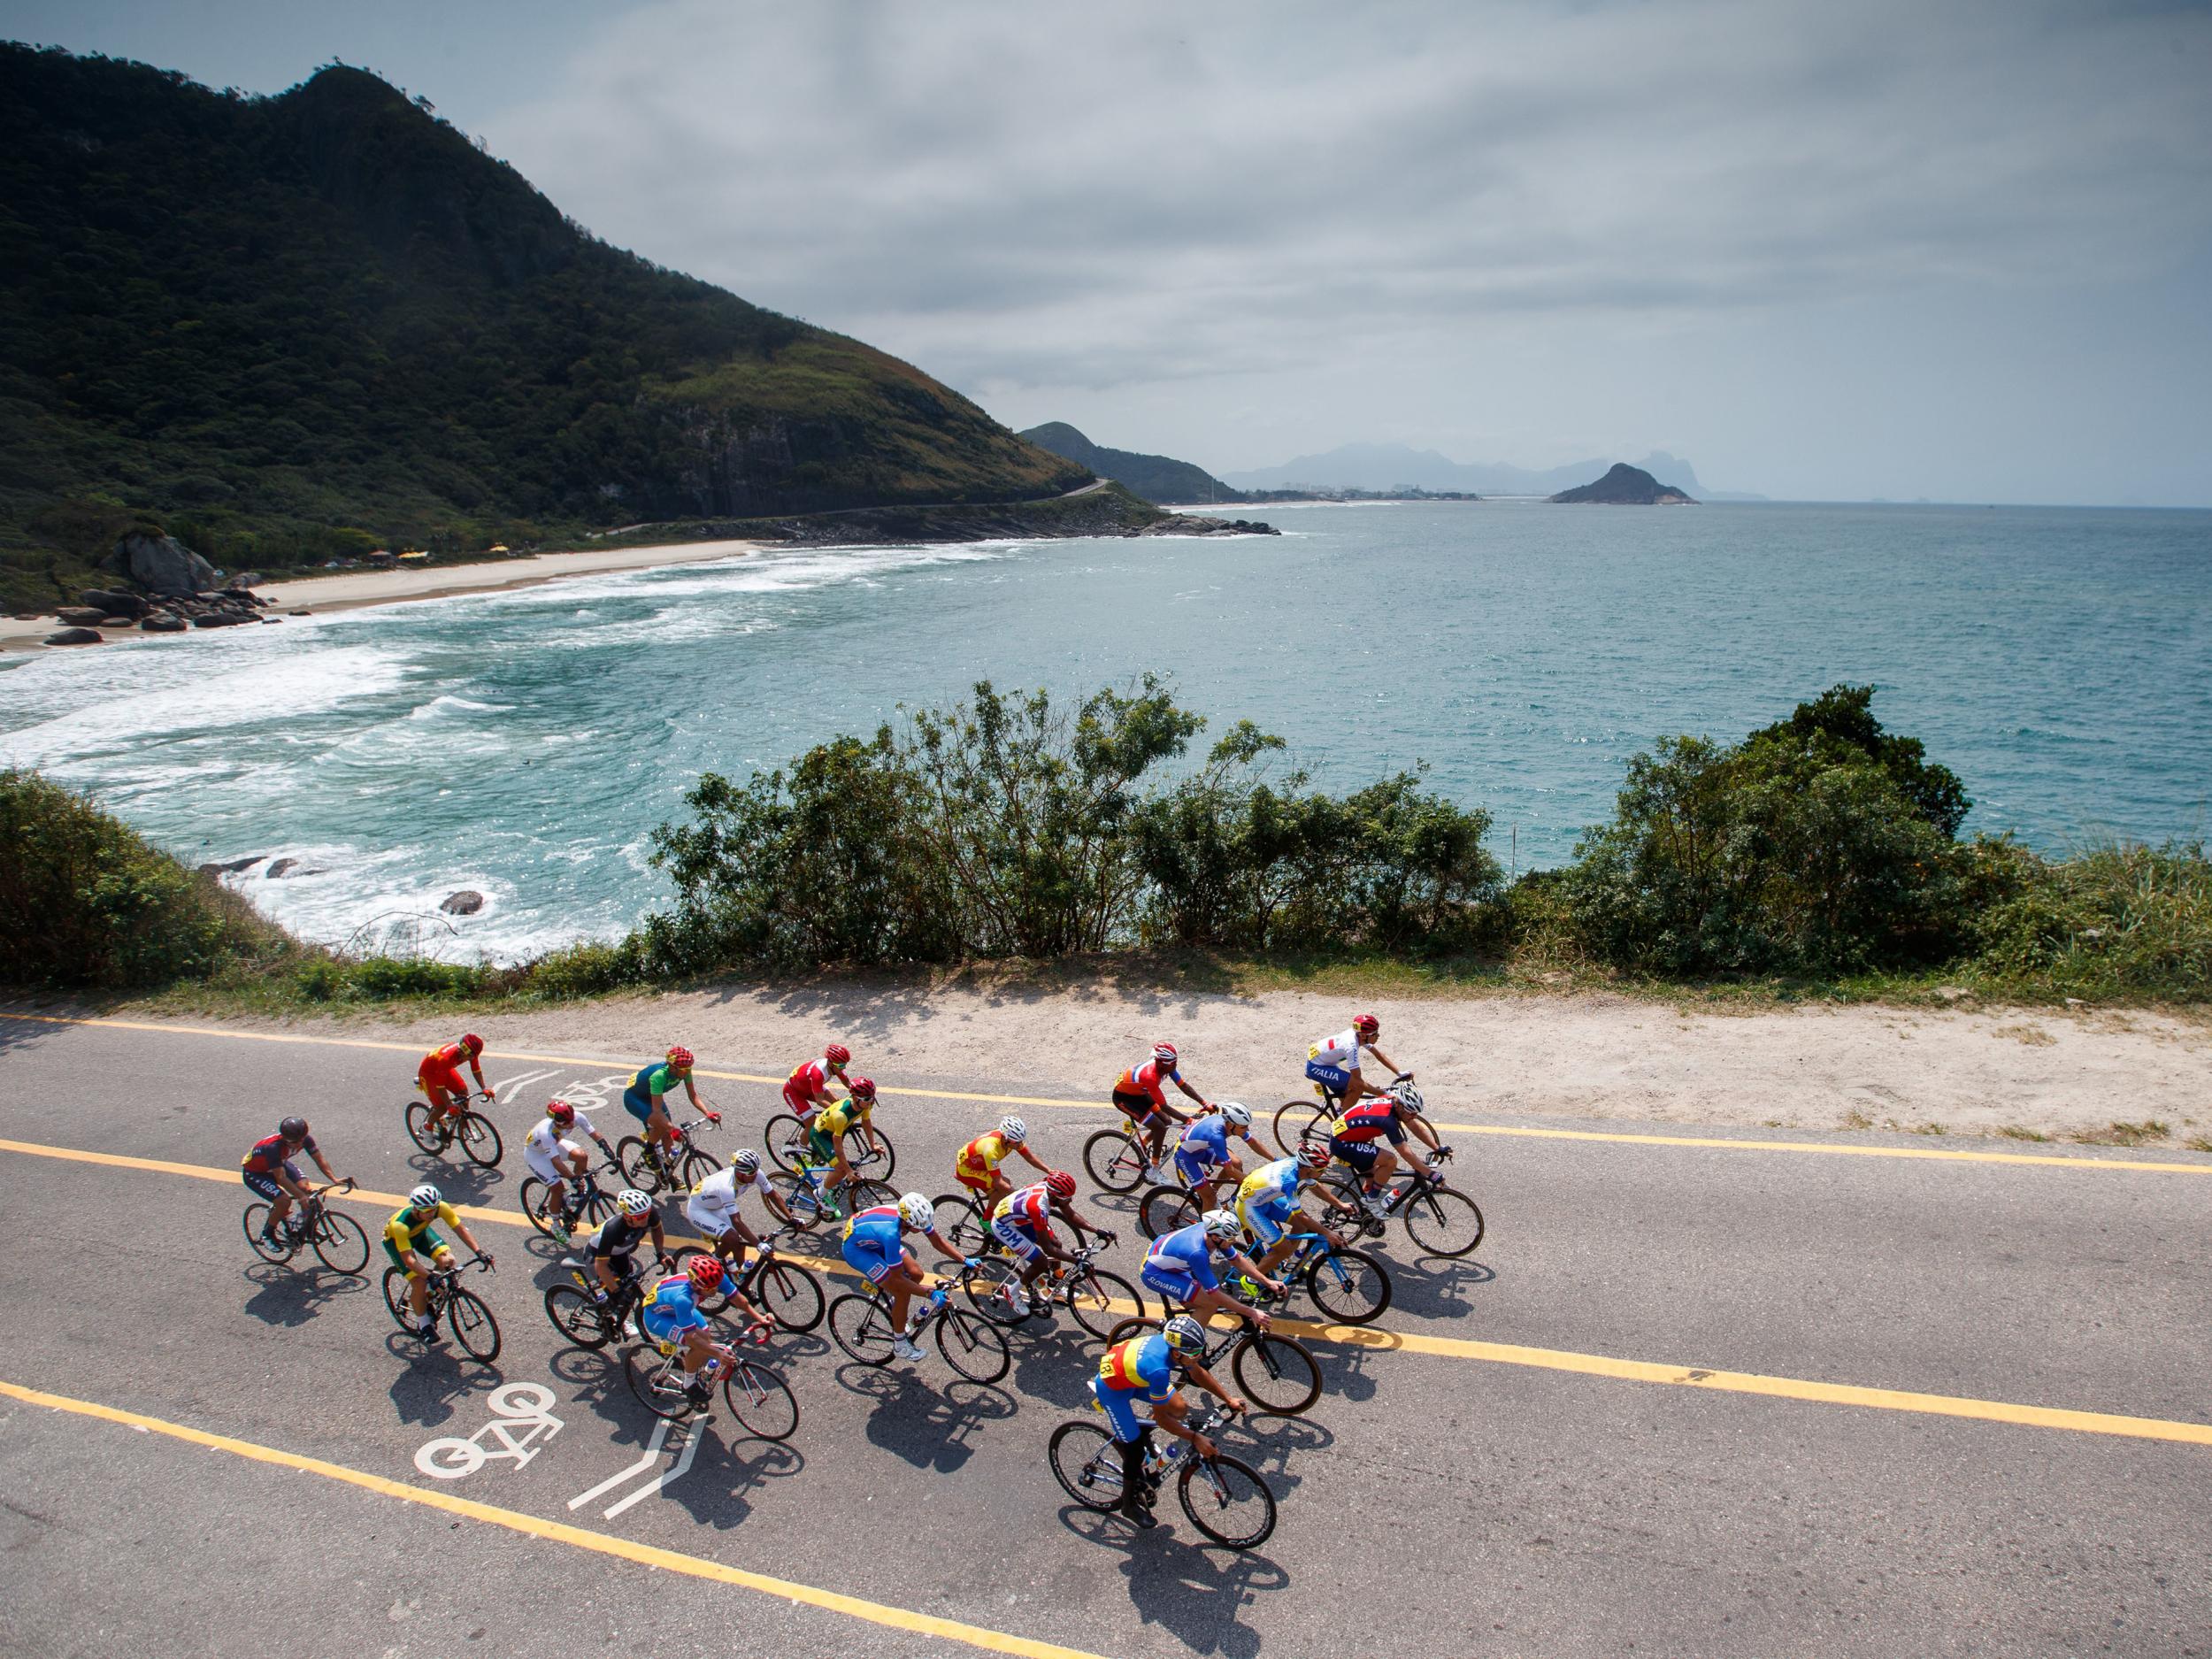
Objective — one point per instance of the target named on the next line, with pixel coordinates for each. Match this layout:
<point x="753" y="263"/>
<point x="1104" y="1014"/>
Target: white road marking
<point x="523" y="1424"/>
<point x="509" y="1087"/>
<point x="646" y="1460"/>
<point x="695" y="1427"/>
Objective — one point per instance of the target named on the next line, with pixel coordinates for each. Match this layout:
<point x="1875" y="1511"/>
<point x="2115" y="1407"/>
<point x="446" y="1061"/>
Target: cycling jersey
<point x="1367" y="1120"/>
<point x="835" y="1119"/>
<point x="547" y="1138"/>
<point x="809" y="1081"/>
<point x="1185" y="1253"/>
<point x="670" y="1307"/>
<point x="1031" y="1207"/>
<point x="409" y="1228"/>
<point x="270" y="1154"/>
<point x="1204" y="1146"/>
<point x="618" y="1237"/>
<point x="1143" y="1365"/>
<point x="441" y="1069"/>
<point x="1341" y="1051"/>
<point x="1272" y="1182"/>
<point x="980" y="1159"/>
<point x="714" y="1201"/>
<point x="872" y="1244"/>
<point x="659" y="1079"/>
<point x="1146" y="1079"/>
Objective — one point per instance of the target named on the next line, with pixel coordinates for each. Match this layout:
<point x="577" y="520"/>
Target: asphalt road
<point x="1685" y="1400"/>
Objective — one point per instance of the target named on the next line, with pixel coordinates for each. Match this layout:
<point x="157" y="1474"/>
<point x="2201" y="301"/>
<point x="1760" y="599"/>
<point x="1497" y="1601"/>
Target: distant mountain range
<point x="1387" y="466"/>
<point x="1157" y="478"/>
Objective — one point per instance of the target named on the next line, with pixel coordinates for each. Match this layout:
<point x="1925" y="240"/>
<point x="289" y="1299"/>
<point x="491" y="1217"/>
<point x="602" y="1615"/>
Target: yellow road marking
<point x="1365" y="1338"/>
<point x="1622" y="1138"/>
<point x="561" y="1533"/>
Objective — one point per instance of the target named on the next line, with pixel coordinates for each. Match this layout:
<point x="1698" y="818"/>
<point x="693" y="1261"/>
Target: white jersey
<point x="547" y="1137"/>
<point x="716" y="1196"/>
<point x="1340" y="1051"/>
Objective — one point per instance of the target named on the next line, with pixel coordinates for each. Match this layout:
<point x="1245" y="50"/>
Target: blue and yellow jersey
<point x="1144" y="1366"/>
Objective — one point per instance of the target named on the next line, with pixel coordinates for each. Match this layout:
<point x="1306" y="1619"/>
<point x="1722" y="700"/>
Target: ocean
<point x="524" y="744"/>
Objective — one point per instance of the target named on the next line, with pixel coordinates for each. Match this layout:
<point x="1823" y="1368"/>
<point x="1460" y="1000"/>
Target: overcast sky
<point x="1956" y="251"/>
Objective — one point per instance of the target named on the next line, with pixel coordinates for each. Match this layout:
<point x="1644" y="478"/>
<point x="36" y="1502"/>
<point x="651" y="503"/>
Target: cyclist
<point x="977" y="1165"/>
<point x="1146" y="1367"/>
<point x="415" y="1249"/>
<point x="1203" y="1158"/>
<point x="1023" y="1224"/>
<point x="670" y="1313"/>
<point x="1356" y="1138"/>
<point x="713" y="1207"/>
<point x="1333" y="1064"/>
<point x="1140" y="1093"/>
<point x="825" y="1138"/>
<point x="614" y="1246"/>
<point x="646" y="1098"/>
<point x="439" y="1077"/>
<point x="269" y="1170"/>
<point x="1269" y="1195"/>
<point x="1180" y="1267"/>
<point x="806" y="1091"/>
<point x="556" y="1160"/>
<point x="875" y="1247"/>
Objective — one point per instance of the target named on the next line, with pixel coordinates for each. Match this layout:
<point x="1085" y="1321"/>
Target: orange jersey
<point x="980" y="1159"/>
<point x="441" y="1068"/>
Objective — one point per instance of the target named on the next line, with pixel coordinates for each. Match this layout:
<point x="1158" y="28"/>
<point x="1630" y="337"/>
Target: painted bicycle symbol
<point x="523" y="1423"/>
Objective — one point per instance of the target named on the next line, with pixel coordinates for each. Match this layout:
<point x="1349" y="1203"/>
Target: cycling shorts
<point x="665" y="1325"/>
<point x="1021" y="1240"/>
<point x="983" y="1185"/>
<point x="639" y="1106"/>
<point x="1120" y="1410"/>
<point x="426" y="1243"/>
<point x="1359" y="1154"/>
<point x="1335" y="1078"/>
<point x="1194" y="1166"/>
<point x="711" y="1219"/>
<point x="542" y="1163"/>
<point x="819" y="1146"/>
<point x="266" y="1184"/>
<point x="872" y="1259"/>
<point x="1266" y="1219"/>
<point x="1138" y="1107"/>
<point x="1170" y="1282"/>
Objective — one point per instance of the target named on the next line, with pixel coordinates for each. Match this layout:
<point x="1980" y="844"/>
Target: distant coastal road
<point x="1703" y="1393"/>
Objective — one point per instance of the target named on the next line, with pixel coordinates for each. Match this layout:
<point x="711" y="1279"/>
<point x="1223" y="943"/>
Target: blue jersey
<point x="1144" y="1366"/>
<point x="877" y="1227"/>
<point x="1186" y="1250"/>
<point x="1275" y="1183"/>
<point x="1207" y="1140"/>
<point x="672" y="1307"/>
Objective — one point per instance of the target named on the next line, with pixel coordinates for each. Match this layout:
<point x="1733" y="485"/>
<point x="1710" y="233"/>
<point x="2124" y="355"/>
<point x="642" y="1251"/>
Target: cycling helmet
<point x="1060" y="1184"/>
<point x="634" y="1204"/>
<point x="679" y="1057"/>
<point x="863" y="1088"/>
<point x="837" y="1054"/>
<point x="293" y="1129"/>
<point x="1238" y="1116"/>
<point x="706" y="1271"/>
<point x="561" y="1112"/>
<point x="1164" y="1053"/>
<point x="1014" y="1129"/>
<point x="746" y="1163"/>
<point x="1366" y="1024"/>
<point x="473" y="1043"/>
<point x="1409" y="1099"/>
<point x="1185" y="1335"/>
<point x="425" y="1197"/>
<point x="1223" y="1224"/>
<point x="1314" y="1154"/>
<point x="917" y="1212"/>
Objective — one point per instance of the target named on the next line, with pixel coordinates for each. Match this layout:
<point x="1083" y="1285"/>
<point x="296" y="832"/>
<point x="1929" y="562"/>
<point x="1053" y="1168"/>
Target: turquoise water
<point x="523" y="744"/>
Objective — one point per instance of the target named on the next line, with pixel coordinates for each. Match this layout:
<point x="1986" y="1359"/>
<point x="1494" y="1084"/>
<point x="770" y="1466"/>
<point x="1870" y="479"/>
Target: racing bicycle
<point x="338" y="1240"/>
<point x="675" y="1168"/>
<point x="588" y="1203"/>
<point x="785" y="1139"/>
<point x="585" y="1315"/>
<point x="757" y="1397"/>
<point x="861" y="1324"/>
<point x="1277" y="1373"/>
<point x="466" y="1313"/>
<point x="787" y="1291"/>
<point x="1439" y="1218"/>
<point x="1224" y="1496"/>
<point x="808" y="1194"/>
<point x="1116" y="1158"/>
<point x="478" y="1135"/>
<point x="1098" y="1300"/>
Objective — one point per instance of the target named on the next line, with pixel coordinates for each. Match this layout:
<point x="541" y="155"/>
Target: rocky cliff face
<point x="160" y="564"/>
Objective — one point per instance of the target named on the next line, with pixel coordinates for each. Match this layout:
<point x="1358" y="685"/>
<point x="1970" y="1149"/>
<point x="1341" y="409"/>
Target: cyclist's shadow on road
<point x="291" y="1296"/>
<point x="1436" y="1286"/>
<point x="460" y="1182"/>
<point x="929" y="1427"/>
<point x="1195" y="1591"/>
<point x="731" y="1468"/>
<point x="435" y="1377"/>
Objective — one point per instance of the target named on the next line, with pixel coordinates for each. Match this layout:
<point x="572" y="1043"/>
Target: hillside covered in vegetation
<point x="292" y="327"/>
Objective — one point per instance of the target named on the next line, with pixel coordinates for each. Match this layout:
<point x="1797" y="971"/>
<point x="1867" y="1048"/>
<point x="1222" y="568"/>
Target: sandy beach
<point x="352" y="589"/>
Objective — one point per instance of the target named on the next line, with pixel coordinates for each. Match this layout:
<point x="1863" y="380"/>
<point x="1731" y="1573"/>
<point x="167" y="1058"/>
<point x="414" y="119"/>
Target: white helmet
<point x="917" y="1212"/>
<point x="1239" y="1116"/>
<point x="425" y="1197"/>
<point x="1223" y="1224"/>
<point x="634" y="1204"/>
<point x="1014" y="1129"/>
<point x="1409" y="1099"/>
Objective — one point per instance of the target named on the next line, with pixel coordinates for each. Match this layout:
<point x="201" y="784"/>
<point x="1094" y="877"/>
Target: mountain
<point x="1626" y="485"/>
<point x="1157" y="478"/>
<point x="1388" y="466"/>
<point x="289" y="326"/>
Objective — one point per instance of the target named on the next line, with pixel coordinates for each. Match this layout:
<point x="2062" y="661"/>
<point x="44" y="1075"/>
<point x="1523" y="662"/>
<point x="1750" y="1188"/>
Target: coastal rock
<point x="116" y="622"/>
<point x="236" y="865"/>
<point x="163" y="622"/>
<point x="160" y="564"/>
<point x="1194" y="524"/>
<point x="1627" y="486"/>
<point x="81" y="615"/>
<point x="218" y="619"/>
<point x="243" y="580"/>
<point x="113" y="601"/>
<point x="279" y="868"/>
<point x="467" y="901"/>
<point x="75" y="636"/>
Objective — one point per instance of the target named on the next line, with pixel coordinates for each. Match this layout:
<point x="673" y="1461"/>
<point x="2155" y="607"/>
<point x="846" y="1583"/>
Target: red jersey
<point x="442" y="1068"/>
<point x="1146" y="1078"/>
<point x="1367" y="1120"/>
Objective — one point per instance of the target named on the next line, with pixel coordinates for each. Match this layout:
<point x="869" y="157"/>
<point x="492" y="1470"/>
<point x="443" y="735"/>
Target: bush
<point x="2115" y="920"/>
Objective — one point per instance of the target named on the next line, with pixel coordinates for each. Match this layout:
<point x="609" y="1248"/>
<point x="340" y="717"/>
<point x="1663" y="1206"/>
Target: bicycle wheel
<point x="961" y="1219"/>
<point x="761" y="1400"/>
<point x="697" y="1165"/>
<point x="789" y="1294"/>
<point x="1227" y="1500"/>
<point x="480" y="1140"/>
<point x="859" y="1195"/>
<point x="1351" y="1287"/>
<point x="596" y="1207"/>
<point x="1296" y="1120"/>
<point x="657" y="1381"/>
<point x="421" y="1130"/>
<point x="1128" y="1328"/>
<point x="877" y="1166"/>
<point x="1115" y="1159"/>
<point x="341" y="1243"/>
<point x="1101" y="1301"/>
<point x="1165" y="1209"/>
<point x="396" y="1300"/>
<point x="267" y="1250"/>
<point x="785" y="1137"/>
<point x="638" y="1166"/>
<point x="974" y="1347"/>
<point x="1087" y="1464"/>
<point x="470" y="1319"/>
<point x="988" y="1289"/>
<point x="1275" y="1374"/>
<point x="530" y="1196"/>
<point x="577" y="1317"/>
<point x="862" y="1327"/>
<point x="1443" y="1221"/>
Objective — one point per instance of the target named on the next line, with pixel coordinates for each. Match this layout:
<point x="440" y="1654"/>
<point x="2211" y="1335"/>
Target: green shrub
<point x="382" y="979"/>
<point x="2117" y="919"/>
<point x="586" y="969"/>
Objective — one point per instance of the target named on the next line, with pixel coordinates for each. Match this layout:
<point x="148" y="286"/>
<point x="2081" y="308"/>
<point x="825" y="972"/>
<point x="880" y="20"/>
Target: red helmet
<point x="1365" y="1022"/>
<point x="561" y="1112"/>
<point x="1164" y="1053"/>
<point x="706" y="1271"/>
<point x="679" y="1057"/>
<point x="837" y="1054"/>
<point x="1060" y="1184"/>
<point x="863" y="1088"/>
<point x="473" y="1043"/>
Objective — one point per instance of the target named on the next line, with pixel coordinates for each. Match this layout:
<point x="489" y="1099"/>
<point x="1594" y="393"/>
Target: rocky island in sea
<point x="1627" y="486"/>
